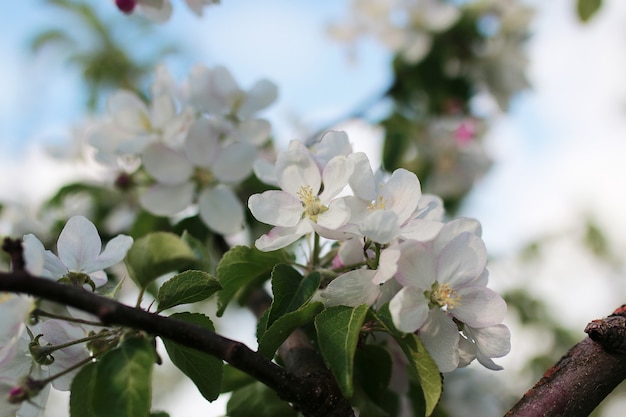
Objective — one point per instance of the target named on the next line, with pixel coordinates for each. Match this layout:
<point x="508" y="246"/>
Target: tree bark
<point x="581" y="379"/>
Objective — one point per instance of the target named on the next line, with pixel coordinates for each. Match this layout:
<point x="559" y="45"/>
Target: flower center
<point x="311" y="203"/>
<point x="443" y="296"/>
<point x="378" y="204"/>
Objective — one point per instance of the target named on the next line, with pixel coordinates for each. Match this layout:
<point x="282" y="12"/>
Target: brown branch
<point x="305" y="394"/>
<point x="581" y="379"/>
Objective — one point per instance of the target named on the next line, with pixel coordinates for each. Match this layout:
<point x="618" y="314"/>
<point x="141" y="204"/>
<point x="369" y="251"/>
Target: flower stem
<point x="42" y="313"/>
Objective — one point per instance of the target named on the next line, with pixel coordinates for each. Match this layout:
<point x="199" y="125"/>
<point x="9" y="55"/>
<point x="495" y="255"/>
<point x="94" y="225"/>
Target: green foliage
<point x="204" y="370"/>
<point x="587" y="9"/>
<point x="242" y="269"/>
<point x="290" y="291"/>
<point x="185" y="288"/>
<point x="259" y="401"/>
<point x="81" y="392"/>
<point x="123" y="380"/>
<point x="157" y="254"/>
<point x="234" y="379"/>
<point x="338" y="330"/>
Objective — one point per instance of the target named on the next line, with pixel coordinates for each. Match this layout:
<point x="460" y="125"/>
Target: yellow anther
<point x="378" y="204"/>
<point x="444" y="296"/>
<point x="311" y="203"/>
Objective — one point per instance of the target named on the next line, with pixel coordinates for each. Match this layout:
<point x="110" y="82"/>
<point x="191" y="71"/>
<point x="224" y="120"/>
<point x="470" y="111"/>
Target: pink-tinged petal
<point x="128" y="111"/>
<point x="262" y="94"/>
<point x="467" y="352"/>
<point x="352" y="289"/>
<point x="114" y="252"/>
<point x="235" y="162"/>
<point x="253" y="131"/>
<point x="221" y="210"/>
<point x="441" y="339"/>
<point x="421" y="230"/>
<point x="387" y="263"/>
<point x="279" y="237"/>
<point x="99" y="278"/>
<point x="430" y="207"/>
<point x="33" y="252"/>
<point x="277" y="208"/>
<point x="175" y="131"/>
<point x="402" y="193"/>
<point x="265" y="171"/>
<point x="479" y="307"/>
<point x="296" y="169"/>
<point x="202" y="143"/>
<point x="79" y="243"/>
<point x="362" y="181"/>
<point x="166" y="165"/>
<point x="351" y="251"/>
<point x="209" y="89"/>
<point x="409" y="309"/>
<point x="337" y="215"/>
<point x="381" y="226"/>
<point x="416" y="265"/>
<point x="167" y="200"/>
<point x="335" y="177"/>
<point x="462" y="260"/>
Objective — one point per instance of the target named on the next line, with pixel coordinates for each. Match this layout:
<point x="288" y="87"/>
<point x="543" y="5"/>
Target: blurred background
<point x="513" y="111"/>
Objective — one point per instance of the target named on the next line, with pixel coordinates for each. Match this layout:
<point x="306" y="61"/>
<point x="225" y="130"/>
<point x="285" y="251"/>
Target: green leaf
<point x="276" y="334"/>
<point x="234" y="379"/>
<point x="187" y="287"/>
<point x="259" y="401"/>
<point x="587" y="9"/>
<point x="373" y="369"/>
<point x="290" y="291"/>
<point x="159" y="414"/>
<point x="242" y="267"/>
<point x="123" y="380"/>
<point x="338" y="330"/>
<point x="423" y="366"/>
<point x="157" y="254"/>
<point x="203" y="369"/>
<point x="261" y="325"/>
<point x="81" y="392"/>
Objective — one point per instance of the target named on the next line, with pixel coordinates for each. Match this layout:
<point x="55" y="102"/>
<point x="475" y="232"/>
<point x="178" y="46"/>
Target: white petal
<point x="409" y="309"/>
<point x="402" y="193"/>
<point x="128" y="111"/>
<point x="235" y="162"/>
<point x="259" y="97"/>
<point x="335" y="177"/>
<point x="454" y="228"/>
<point x="279" y="237"/>
<point x="479" y="307"/>
<point x="387" y="263"/>
<point x="362" y="180"/>
<point x="221" y="210"/>
<point x="381" y="226"/>
<point x="296" y="169"/>
<point x="113" y="252"/>
<point x="352" y="289"/>
<point x="332" y="143"/>
<point x="337" y="215"/>
<point x="441" y="339"/>
<point x="416" y="266"/>
<point x="462" y="260"/>
<point x="202" y="143"/>
<point x="166" y="165"/>
<point x="53" y="267"/>
<point x="422" y="230"/>
<point x="351" y="251"/>
<point x="167" y="200"/>
<point x="277" y="208"/>
<point x="265" y="171"/>
<point x="492" y="342"/>
<point x="162" y="110"/>
<point x="79" y="243"/>
<point x="253" y="131"/>
<point x="33" y="254"/>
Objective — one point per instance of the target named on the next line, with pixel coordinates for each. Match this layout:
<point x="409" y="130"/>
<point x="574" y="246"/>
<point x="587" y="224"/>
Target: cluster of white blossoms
<point x="35" y="355"/>
<point x="394" y="246"/>
<point x="196" y="142"/>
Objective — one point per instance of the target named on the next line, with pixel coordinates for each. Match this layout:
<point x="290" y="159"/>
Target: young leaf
<point x="338" y="331"/>
<point x="81" y="392"/>
<point x="204" y="370"/>
<point x="290" y="291"/>
<point x="259" y="401"/>
<point x="242" y="266"/>
<point x="276" y="334"/>
<point x="187" y="287"/>
<point x="587" y="9"/>
<point x="123" y="380"/>
<point x="373" y="370"/>
<point x="156" y="254"/>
